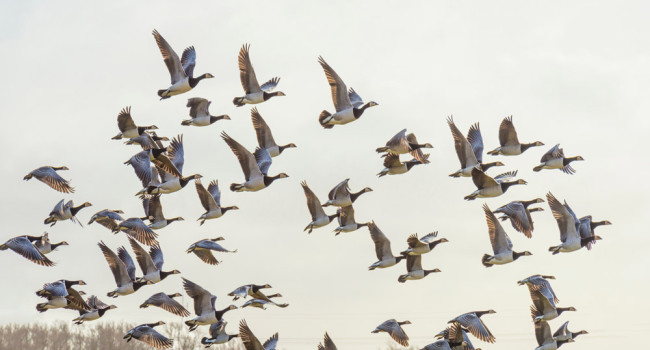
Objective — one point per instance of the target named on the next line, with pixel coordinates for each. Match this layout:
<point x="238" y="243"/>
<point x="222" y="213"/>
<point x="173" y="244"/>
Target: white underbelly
<point x="203" y="120"/>
<point x="396" y="170"/>
<point x="348" y="228"/>
<point x="90" y="316"/>
<point x="169" y="186"/>
<point x="320" y="222"/>
<point x="214" y="214"/>
<point x="557" y="163"/>
<point x="502" y="258"/>
<point x="179" y="88"/>
<point x="131" y="133"/>
<point x="158" y="224"/>
<point x="511" y="150"/>
<point x="254" y="184"/>
<point x="492" y="191"/>
<point x="274" y="151"/>
<point x="385" y="263"/>
<point x="254" y="98"/>
<point x="206" y="319"/>
<point x="415" y="275"/>
<point x="125" y="289"/>
<point x="56" y="303"/>
<point x="153" y="276"/>
<point x="343" y="117"/>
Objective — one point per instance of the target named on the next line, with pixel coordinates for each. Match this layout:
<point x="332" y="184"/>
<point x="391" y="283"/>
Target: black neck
<point x="102" y="311"/>
<point x="411" y="164"/>
<point x="435" y="243"/>
<point x="332" y="217"/>
<point x="230" y="336"/>
<point x="219" y="314"/>
<point x="566" y="161"/>
<point x="268" y="180"/>
<point x="516" y="255"/>
<point x="157" y="151"/>
<point x="184" y="180"/>
<point x="481" y="313"/>
<point x="225" y="209"/>
<point x="214" y="119"/>
<point x="525" y="146"/>
<point x="359" y="111"/>
<point x="268" y="95"/>
<point x="193" y="81"/>
<point x="506" y="185"/>
<point x="585" y="241"/>
<point x="560" y="310"/>
<point x="398" y="258"/>
<point x="138" y="284"/>
<point x="354" y="196"/>
<point x="169" y="221"/>
<point x="282" y="148"/>
<point x="527" y="203"/>
<point x="56" y="245"/>
<point x="75" y="210"/>
<point x="164" y="274"/>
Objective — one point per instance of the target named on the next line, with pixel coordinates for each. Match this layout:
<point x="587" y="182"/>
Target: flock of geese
<point x="159" y="168"/>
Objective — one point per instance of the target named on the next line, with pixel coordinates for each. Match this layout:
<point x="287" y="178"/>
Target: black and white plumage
<point x="107" y="218"/>
<point x="393" y="166"/>
<point x="544" y="308"/>
<point x="150" y="262"/>
<point x="43" y="243"/>
<point x="265" y="137"/>
<point x="250" y="340"/>
<point x="469" y="150"/>
<point x="254" y="92"/>
<point x="199" y="113"/>
<point x="414" y="270"/>
<point x="569" y="227"/>
<point x="501" y="243"/>
<point x="586" y="229"/>
<point x="382" y="249"/>
<point x="138" y="229"/>
<point x="65" y="211"/>
<point x="123" y="270"/>
<point x="340" y="195"/>
<point x="563" y="333"/>
<point x="49" y="176"/>
<point x="204" y="248"/>
<point x="148" y="335"/>
<point x="456" y="337"/>
<point x="96" y="309"/>
<point x="318" y="216"/>
<point x="402" y="143"/>
<point x="540" y="283"/>
<point x="211" y="201"/>
<point x="167" y="303"/>
<point x="327" y="343"/>
<point x="261" y="303"/>
<point x="203" y="305"/>
<point x="171" y="179"/>
<point x="347" y="223"/>
<point x="248" y="290"/>
<point x="218" y="334"/>
<point x="394" y="329"/>
<point x="147" y="140"/>
<point x="519" y="215"/>
<point x="423" y="245"/>
<point x="474" y="324"/>
<point x="544" y="338"/>
<point x="24" y="247"/>
<point x="555" y="159"/>
<point x="60" y="294"/>
<point x="154" y="213"/>
<point x="510" y="145"/>
<point x="128" y="129"/>
<point x="491" y="187"/>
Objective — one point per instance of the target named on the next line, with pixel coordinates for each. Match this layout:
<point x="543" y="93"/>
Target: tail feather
<point x="3" y="247"/>
<point x="494" y="152"/>
<point x="456" y="174"/>
<point x="186" y="122"/>
<point x="324" y="118"/>
<point x="538" y="168"/>
<point x="161" y="93"/>
<point x="27" y="177"/>
<point x="236" y="187"/>
<point x="400" y="279"/>
<point x="484" y="260"/>
<point x="117" y="137"/>
<point x="238" y="101"/>
<point x="49" y="220"/>
<point x="470" y="197"/>
<point x="382" y="149"/>
<point x="41" y="307"/>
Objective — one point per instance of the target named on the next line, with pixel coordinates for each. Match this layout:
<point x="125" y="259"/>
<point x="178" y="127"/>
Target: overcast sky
<point x="570" y="73"/>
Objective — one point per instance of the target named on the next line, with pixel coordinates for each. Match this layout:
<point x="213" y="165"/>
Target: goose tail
<point x="539" y="167"/>
<point x="238" y="101"/>
<point x="485" y="259"/>
<point x="324" y="118"/>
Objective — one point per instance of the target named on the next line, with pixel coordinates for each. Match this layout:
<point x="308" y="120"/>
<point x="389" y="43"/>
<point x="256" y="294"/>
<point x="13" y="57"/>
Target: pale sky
<point x="570" y="73"/>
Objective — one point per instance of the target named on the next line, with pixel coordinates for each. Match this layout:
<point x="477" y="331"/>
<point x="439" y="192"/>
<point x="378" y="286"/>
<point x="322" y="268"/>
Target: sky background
<point x="570" y="73"/>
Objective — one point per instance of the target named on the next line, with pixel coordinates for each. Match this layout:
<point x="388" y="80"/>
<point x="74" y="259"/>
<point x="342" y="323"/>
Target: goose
<point x="153" y="212"/>
<point x="218" y="334"/>
<point x="203" y="305"/>
<point x="107" y="218"/>
<point x="43" y="243"/>
<point x="563" y="333"/>
<point x="346" y="220"/>
<point x="501" y="244"/>
<point x="24" y="247"/>
<point x="318" y="216"/>
<point x="474" y="324"/>
<point x="128" y="129"/>
<point x="250" y="340"/>
<point x="147" y="140"/>
<point x="246" y="290"/>
<point x="569" y="225"/>
<point x="586" y="229"/>
<point x="255" y="167"/>
<point x="170" y="181"/>
<point x="254" y="92"/>
<point x="422" y="245"/>
<point x="146" y="334"/>
<point x="545" y="339"/>
<point x="402" y="144"/>
<point x="540" y="284"/>
<point x="211" y="201"/>
<point x="264" y="137"/>
<point x="123" y="270"/>
<point x="97" y="310"/>
<point x="340" y="195"/>
<point x="543" y="308"/>
<point x="203" y="249"/>
<point x="519" y="215"/>
<point x="49" y="176"/>
<point x="491" y="187"/>
<point x="56" y="293"/>
<point x="394" y="329"/>
<point x="348" y="104"/>
<point x="150" y="262"/>
<point x="393" y="166"/>
<point x="414" y="269"/>
<point x="382" y="249"/>
<point x="180" y="70"/>
<point x="136" y="228"/>
<point x="65" y="212"/>
<point x="441" y="344"/>
<point x="327" y="344"/>
<point x="167" y="303"/>
<point x="456" y="337"/>
<point x="555" y="159"/>
<point x="200" y="116"/>
<point x="469" y="150"/>
<point x="261" y="303"/>
<point x="510" y="145"/>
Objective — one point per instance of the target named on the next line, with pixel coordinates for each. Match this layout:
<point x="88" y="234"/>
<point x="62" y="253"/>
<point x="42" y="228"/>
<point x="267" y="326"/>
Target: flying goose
<point x="49" y="176"/>
<point x="394" y="329"/>
<point x="586" y="229"/>
<point x="563" y="333"/>
<point x="555" y="159"/>
<point x="414" y="269"/>
<point x="264" y="137"/>
<point x="491" y="187"/>
<point x="569" y="225"/>
<point x="402" y="144"/>
<point x="218" y="334"/>
<point x="327" y="344"/>
<point x="128" y="129"/>
<point x="469" y="150"/>
<point x="441" y="344"/>
<point x="200" y="116"/>
<point x="318" y="216"/>
<point x="96" y="310"/>
<point x="107" y="218"/>
<point x="250" y="340"/>
<point x="180" y="70"/>
<point x="510" y="145"/>
<point x="246" y="290"/>
<point x="254" y="92"/>
<point x="346" y="220"/>
<point x="167" y="303"/>
<point x="211" y="201"/>
<point x="150" y="262"/>
<point x="56" y="293"/>
<point x="255" y="167"/>
<point x="474" y="324"/>
<point x="261" y="303"/>
<point x="43" y="243"/>
<point x="501" y="244"/>
<point x="540" y="284"/>
<point x="545" y="339"/>
<point x="170" y="181"/>
<point x="147" y="140"/>
<point x="203" y="305"/>
<point x="153" y="212"/>
<point x="123" y="270"/>
<point x="146" y="334"/>
<point x="203" y="249"/>
<point x="543" y="308"/>
<point x="24" y="247"/>
<point x="393" y="166"/>
<point x="418" y="246"/>
<point x="382" y="249"/>
<point x="456" y="337"/>
<point x="65" y="212"/>
<point x="340" y="195"/>
<point x="136" y="228"/>
<point x="519" y="215"/>
<point x="348" y="104"/>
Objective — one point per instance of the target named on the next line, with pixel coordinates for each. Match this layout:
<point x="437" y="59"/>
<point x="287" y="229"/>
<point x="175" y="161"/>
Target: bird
<point x="348" y="104"/>
<point x="96" y="310"/>
<point x="327" y="343"/>
<point x="203" y="305"/>
<point x="563" y="333"/>
<point x="150" y="262"/>
<point x="49" y="176"/>
<point x="543" y="308"/>
<point x="107" y="218"/>
<point x="569" y="225"/>
<point x="180" y="70"/>
<point x="474" y="324"/>
<point x="501" y="244"/>
<point x="147" y="140"/>
<point x="393" y="166"/>
<point x="382" y="249"/>
<point x="491" y="187"/>
<point x="167" y="303"/>
<point x="247" y="290"/>
<point x="394" y="329"/>
<point x="211" y="201"/>
<point x="254" y="92"/>
<point x="255" y="167"/>
<point x="204" y="248"/>
<point x="218" y="334"/>
<point x="123" y="270"/>
<point x="261" y="303"/>
<point x="555" y="159"/>
<point x="519" y="215"/>
<point x="456" y="338"/>
<point x="43" y="243"/>
<point x="414" y="269"/>
<point x="545" y="339"/>
<point x="340" y="195"/>
<point x="402" y="143"/>
<point x="200" y="116"/>
<point x="24" y="247"/>
<point x="318" y="216"/>
<point x="441" y="344"/>
<point x="469" y="150"/>
<point x="510" y="145"/>
<point x="146" y="334"/>
<point x="128" y="129"/>
<point x="136" y="228"/>
<point x="264" y="137"/>
<point x="586" y="229"/>
<point x="346" y="220"/>
<point x="57" y="294"/>
<point x="250" y="340"/>
<point x="65" y="212"/>
<point x="540" y="283"/>
<point x="172" y="181"/>
<point x="418" y="246"/>
<point x="153" y="212"/>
